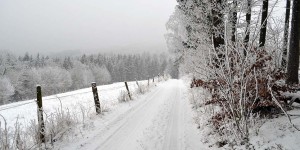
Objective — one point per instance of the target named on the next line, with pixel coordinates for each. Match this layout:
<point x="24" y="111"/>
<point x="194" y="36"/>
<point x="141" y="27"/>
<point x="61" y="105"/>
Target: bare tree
<point x="263" y="28"/>
<point x="233" y="20"/>
<point x="293" y="61"/>
<point x="286" y="32"/>
<point x="217" y="16"/>
<point x="248" y="20"/>
<point x="218" y="30"/>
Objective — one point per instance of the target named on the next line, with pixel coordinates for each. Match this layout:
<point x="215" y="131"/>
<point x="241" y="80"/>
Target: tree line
<point x="238" y="51"/>
<point x="20" y="75"/>
<point x="212" y="26"/>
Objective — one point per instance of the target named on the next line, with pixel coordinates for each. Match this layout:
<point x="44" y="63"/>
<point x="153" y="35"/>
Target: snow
<point x="160" y="119"/>
<point x="275" y="133"/>
<point x="278" y="133"/>
<point x="163" y="118"/>
<point x="26" y="111"/>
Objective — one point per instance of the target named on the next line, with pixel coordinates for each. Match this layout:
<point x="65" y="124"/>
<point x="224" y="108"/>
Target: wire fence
<point x="79" y="104"/>
<point x="56" y="97"/>
<point x="15" y="106"/>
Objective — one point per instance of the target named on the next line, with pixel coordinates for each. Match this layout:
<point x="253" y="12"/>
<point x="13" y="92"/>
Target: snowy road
<point x="160" y="119"/>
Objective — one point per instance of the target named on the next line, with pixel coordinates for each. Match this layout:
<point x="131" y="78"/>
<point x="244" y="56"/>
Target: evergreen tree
<point x="26" y="57"/>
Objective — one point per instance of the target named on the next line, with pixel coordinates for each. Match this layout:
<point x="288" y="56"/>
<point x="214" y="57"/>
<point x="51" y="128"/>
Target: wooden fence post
<point x="96" y="98"/>
<point x="126" y="85"/>
<point x="137" y="83"/>
<point x="153" y="78"/>
<point x="148" y="81"/>
<point x="41" y="122"/>
<point x="158" y="78"/>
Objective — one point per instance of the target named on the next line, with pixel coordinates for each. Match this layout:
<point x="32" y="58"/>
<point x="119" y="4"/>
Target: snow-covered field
<point x="163" y="118"/>
<point x="26" y="111"/>
<point x="160" y="119"/>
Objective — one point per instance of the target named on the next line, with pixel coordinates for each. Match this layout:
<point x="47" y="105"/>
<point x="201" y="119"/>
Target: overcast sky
<point x="51" y="26"/>
<point x="87" y="25"/>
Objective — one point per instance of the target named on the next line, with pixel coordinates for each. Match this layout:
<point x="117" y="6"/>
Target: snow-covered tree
<point x="54" y="80"/>
<point x="101" y="74"/>
<point x="69" y="73"/>
<point x="6" y="90"/>
<point x="26" y="83"/>
<point x="234" y="51"/>
<point x="81" y="75"/>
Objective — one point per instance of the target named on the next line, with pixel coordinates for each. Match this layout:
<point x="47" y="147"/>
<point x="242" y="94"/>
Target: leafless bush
<point x="123" y="97"/>
<point x="58" y="123"/>
<point x="105" y="107"/>
<point x="13" y="138"/>
<point x="4" y="135"/>
<point x="239" y="85"/>
<point x="142" y="89"/>
<point x="27" y="137"/>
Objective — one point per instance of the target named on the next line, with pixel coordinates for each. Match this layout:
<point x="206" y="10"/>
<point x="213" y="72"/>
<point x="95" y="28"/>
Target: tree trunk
<point x="233" y="21"/>
<point x="218" y="31"/>
<point x="263" y="28"/>
<point x="286" y="33"/>
<point x="293" y="61"/>
<point x="248" y="20"/>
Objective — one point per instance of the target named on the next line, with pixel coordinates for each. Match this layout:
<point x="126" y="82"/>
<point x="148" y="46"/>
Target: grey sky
<point x="87" y="25"/>
<point x="51" y="26"/>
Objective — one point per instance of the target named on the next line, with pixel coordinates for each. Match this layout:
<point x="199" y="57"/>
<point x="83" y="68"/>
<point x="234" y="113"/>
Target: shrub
<point x="243" y="87"/>
<point x="123" y="97"/>
<point x="142" y="89"/>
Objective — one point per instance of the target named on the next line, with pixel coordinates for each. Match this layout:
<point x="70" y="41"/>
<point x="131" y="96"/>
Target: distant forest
<point x="20" y="75"/>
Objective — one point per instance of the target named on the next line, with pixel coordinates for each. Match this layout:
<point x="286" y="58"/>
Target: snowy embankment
<point x="278" y="133"/>
<point x="266" y="133"/>
<point x="26" y="111"/>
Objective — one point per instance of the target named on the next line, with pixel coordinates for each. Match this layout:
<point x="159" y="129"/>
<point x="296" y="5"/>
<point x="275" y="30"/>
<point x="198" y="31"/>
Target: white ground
<point x="160" y="119"/>
<point x="25" y="111"/>
<point x="268" y="134"/>
<point x="278" y="133"/>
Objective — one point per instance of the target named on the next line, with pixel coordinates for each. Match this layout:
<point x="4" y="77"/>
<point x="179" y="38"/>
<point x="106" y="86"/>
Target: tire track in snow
<point x="131" y="123"/>
<point x="160" y="120"/>
<point x="174" y="133"/>
<point x="167" y="129"/>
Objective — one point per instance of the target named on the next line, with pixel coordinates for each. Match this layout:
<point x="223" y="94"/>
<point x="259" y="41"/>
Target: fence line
<point x="57" y="97"/>
<point x="10" y="107"/>
<point x="113" y="88"/>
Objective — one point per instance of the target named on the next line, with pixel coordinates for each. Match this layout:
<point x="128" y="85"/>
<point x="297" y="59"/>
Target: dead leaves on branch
<point x="243" y="86"/>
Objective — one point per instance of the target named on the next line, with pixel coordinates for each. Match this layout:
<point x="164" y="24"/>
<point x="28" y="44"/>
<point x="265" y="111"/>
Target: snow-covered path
<point x="161" y="119"/>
